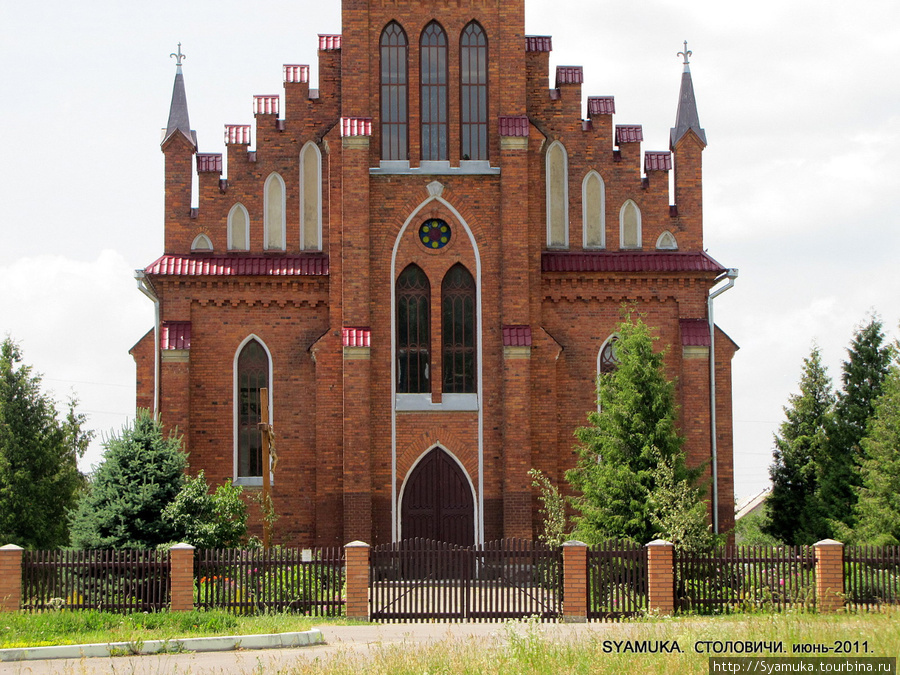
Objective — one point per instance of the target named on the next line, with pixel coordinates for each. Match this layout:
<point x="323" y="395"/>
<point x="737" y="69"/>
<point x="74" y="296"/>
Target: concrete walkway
<point x="339" y="639"/>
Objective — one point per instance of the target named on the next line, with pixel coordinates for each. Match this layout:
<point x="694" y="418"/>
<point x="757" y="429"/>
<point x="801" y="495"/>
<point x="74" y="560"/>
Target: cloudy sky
<point x="800" y="101"/>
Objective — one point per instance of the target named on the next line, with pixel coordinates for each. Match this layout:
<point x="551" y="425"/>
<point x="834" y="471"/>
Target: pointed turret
<point x="179" y="145"/>
<point x="178" y="110"/>
<point x="687" y="118"/>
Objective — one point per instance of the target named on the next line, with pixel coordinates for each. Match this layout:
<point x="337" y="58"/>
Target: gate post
<point x="356" y="558"/>
<point x="661" y="576"/>
<point x="575" y="581"/>
<point x="10" y="577"/>
<point x="829" y="575"/>
<point x="181" y="578"/>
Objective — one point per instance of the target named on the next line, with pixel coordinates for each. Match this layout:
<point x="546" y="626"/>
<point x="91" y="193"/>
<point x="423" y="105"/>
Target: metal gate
<point x="617" y="580"/>
<point x="419" y="580"/>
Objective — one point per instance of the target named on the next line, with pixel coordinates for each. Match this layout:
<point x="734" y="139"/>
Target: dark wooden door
<point x="437" y="502"/>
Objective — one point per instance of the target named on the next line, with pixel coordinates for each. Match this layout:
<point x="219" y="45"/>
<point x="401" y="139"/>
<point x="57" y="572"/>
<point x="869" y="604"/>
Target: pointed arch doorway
<point x="437" y="501"/>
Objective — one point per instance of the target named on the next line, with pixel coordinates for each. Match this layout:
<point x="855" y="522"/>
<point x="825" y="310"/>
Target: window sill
<point x="251" y="481"/>
<point x="465" y="168"/>
<point x="449" y="403"/>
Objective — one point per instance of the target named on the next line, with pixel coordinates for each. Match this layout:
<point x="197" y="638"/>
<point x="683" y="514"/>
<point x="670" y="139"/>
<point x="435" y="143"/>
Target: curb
<point x="201" y="644"/>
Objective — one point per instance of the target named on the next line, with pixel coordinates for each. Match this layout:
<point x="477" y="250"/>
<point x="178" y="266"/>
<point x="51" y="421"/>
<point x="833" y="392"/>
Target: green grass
<point x="23" y="629"/>
<point x="541" y="650"/>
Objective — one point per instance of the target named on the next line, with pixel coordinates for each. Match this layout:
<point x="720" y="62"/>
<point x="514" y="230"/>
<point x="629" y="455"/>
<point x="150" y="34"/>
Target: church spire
<point x="178" y="111"/>
<point x="687" y="118"/>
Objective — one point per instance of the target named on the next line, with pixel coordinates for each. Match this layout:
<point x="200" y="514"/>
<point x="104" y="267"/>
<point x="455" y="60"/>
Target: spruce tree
<point x="868" y="363"/>
<point x="39" y="477"/>
<point x="877" y="510"/>
<point x="619" y="451"/>
<point x="141" y="473"/>
<point x="794" y="512"/>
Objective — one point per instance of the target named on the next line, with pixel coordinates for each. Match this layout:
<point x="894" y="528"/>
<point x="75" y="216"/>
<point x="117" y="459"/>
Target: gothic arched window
<point x="630" y="225"/>
<point x="310" y="198"/>
<point x="238" y="228"/>
<point x="394" y="94"/>
<point x="557" y="167"/>
<point x="274" y="212"/>
<point x="593" y="197"/>
<point x="413" y="305"/>
<point x="458" y="331"/>
<point x="252" y="376"/>
<point x="433" y="76"/>
<point x="473" y="79"/>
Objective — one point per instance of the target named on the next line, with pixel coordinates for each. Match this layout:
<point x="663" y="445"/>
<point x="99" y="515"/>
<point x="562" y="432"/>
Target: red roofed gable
<point x="175" y="335"/>
<point x="516" y="336"/>
<point x="224" y="265"/>
<point x="694" y="333"/>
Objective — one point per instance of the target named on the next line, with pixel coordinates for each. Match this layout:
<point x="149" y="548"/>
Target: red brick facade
<point x="346" y="440"/>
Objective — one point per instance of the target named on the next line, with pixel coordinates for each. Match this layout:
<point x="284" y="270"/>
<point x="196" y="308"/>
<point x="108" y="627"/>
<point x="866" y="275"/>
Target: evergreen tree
<point x="863" y="377"/>
<point x="208" y="520"/>
<point x="39" y="477"/>
<point x="141" y="472"/>
<point x="877" y="510"/>
<point x="794" y="512"/>
<point x="618" y="453"/>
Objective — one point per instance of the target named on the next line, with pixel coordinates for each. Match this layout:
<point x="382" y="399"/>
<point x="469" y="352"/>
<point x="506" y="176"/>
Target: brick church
<point x="423" y="262"/>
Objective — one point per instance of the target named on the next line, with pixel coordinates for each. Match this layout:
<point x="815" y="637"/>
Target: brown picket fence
<point x="871" y="576"/>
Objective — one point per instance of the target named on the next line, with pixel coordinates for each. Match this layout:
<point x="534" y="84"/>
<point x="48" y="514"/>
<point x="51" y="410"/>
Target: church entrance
<point x="437" y="502"/>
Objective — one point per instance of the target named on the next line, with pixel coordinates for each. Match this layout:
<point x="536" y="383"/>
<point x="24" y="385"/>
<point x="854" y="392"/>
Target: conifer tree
<point x="877" y="510"/>
<point x="39" y="477"/>
<point x="794" y="514"/>
<point x="141" y="473"/>
<point x="864" y="371"/>
<point x="619" y="451"/>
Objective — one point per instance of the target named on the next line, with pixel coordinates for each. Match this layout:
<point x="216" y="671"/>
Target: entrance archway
<point x="437" y="501"/>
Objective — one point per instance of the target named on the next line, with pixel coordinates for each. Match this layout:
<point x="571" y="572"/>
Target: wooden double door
<point x="438" y="502"/>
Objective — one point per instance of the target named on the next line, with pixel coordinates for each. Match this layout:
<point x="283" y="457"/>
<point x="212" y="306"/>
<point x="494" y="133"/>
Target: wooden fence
<point x="871" y="576"/>
<point x="740" y="578"/>
<point x="617" y="580"/>
<point x="309" y="581"/>
<point x="119" y="581"/>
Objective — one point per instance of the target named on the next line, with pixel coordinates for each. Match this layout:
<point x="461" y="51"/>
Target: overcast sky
<point x="800" y="101"/>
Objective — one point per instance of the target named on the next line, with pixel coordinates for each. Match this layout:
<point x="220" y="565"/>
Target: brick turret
<point x="687" y="140"/>
<point x="178" y="145"/>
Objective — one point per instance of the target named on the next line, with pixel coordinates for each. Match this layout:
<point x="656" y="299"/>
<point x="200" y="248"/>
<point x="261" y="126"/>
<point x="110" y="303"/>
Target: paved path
<point x="339" y="639"/>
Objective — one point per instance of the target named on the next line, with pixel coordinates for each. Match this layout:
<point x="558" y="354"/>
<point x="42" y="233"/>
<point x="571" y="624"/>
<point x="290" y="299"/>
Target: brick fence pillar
<point x="661" y="577"/>
<point x="575" y="581"/>
<point x="181" y="578"/>
<point x="10" y="578"/>
<point x="829" y="575"/>
<point x="356" y="557"/>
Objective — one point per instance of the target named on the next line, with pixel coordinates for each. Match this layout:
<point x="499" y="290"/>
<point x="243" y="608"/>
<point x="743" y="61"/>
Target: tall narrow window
<point x="274" y="212"/>
<point x="630" y="225"/>
<point x="593" y="207"/>
<point x="394" y="96"/>
<point x="458" y="331"/>
<point x="310" y="198"/>
<point x="238" y="228"/>
<point x="413" y="336"/>
<point x="252" y="376"/>
<point x="557" y="196"/>
<point x="473" y="92"/>
<point x="433" y="52"/>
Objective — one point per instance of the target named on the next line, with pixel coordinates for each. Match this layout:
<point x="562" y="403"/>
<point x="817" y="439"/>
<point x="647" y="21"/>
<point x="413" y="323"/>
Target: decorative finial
<point x="180" y="56"/>
<point x="686" y="53"/>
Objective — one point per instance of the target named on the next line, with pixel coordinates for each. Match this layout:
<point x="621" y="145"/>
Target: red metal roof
<point x="628" y="261"/>
<point x="175" y="335"/>
<point x="296" y="73"/>
<point x="232" y="265"/>
<point x="356" y="337"/>
<point x="516" y="336"/>
<point x="657" y="161"/>
<point x="265" y="104"/>
<point x="513" y="125"/>
<point x="629" y="133"/>
<point x="538" y="43"/>
<point x="209" y="162"/>
<point x="238" y="134"/>
<point x="601" y="105"/>
<point x="695" y="333"/>
<point x="329" y="42"/>
<point x="356" y="126"/>
<point x="569" y="75"/>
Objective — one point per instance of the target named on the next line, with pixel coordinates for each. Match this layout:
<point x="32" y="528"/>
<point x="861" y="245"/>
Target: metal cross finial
<point x="180" y="56"/>
<point x="686" y="53"/>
